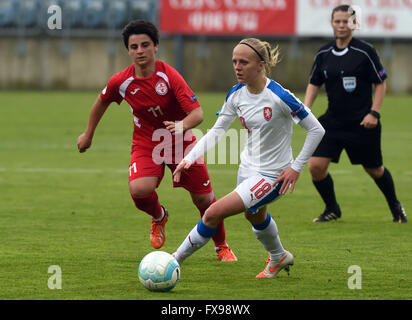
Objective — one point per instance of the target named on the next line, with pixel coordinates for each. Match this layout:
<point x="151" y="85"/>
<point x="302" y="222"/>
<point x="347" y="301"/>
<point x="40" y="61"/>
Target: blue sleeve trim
<point x="296" y="107"/>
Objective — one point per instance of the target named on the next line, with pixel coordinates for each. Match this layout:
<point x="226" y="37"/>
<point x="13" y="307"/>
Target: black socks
<point x="327" y="192"/>
<point x="386" y="185"/>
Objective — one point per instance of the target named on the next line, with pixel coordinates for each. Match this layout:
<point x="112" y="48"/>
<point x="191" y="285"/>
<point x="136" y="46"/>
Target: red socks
<point x="149" y="204"/>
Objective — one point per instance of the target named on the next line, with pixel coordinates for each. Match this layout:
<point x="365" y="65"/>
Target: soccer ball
<point x="159" y="271"/>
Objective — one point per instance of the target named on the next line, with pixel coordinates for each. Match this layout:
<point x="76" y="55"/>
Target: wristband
<point x="376" y="114"/>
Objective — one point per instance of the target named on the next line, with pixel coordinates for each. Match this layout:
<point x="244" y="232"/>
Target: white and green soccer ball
<point x="159" y="271"/>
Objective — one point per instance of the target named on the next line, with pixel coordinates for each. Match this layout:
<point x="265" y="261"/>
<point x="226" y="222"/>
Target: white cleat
<point x="275" y="266"/>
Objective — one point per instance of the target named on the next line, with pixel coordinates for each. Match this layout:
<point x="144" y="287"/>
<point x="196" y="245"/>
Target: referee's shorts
<point x="362" y="145"/>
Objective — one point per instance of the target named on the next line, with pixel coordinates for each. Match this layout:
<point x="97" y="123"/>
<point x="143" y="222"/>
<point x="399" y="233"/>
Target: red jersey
<point x="164" y="96"/>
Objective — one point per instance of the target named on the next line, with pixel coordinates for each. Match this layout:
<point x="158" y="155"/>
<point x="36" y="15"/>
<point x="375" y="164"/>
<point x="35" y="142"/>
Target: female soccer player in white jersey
<point x="267" y="168"/>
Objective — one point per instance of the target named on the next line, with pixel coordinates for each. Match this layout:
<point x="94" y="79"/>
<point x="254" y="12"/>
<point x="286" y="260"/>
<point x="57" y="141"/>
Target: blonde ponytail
<point x="264" y="51"/>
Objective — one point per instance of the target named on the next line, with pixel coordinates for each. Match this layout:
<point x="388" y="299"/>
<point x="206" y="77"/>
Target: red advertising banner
<point x="228" y="17"/>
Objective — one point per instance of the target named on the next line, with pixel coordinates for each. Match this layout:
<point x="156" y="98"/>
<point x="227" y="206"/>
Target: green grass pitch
<point x="59" y="207"/>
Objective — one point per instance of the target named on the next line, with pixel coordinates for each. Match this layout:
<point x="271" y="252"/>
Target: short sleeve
<point x="376" y="71"/>
<point x="184" y="95"/>
<point x="316" y="76"/>
<point x="111" y="92"/>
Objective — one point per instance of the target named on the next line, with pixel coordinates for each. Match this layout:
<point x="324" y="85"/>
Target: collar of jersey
<point x="257" y="94"/>
<point x="340" y="53"/>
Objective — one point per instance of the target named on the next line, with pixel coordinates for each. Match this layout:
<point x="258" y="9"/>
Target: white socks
<point x="267" y="234"/>
<point x="197" y="238"/>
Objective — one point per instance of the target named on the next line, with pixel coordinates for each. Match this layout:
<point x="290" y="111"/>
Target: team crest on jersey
<point x="349" y="83"/>
<point x="161" y="88"/>
<point x="267" y="113"/>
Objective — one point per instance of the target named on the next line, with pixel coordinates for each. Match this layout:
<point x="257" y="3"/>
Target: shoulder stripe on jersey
<point x="314" y="67"/>
<point x="234" y="89"/>
<point x="364" y="42"/>
<point x="313" y="71"/>
<point x="124" y="85"/>
<point x="164" y="76"/>
<point x="297" y="108"/>
<point x="373" y="64"/>
<point x="323" y="51"/>
<point x="231" y="91"/>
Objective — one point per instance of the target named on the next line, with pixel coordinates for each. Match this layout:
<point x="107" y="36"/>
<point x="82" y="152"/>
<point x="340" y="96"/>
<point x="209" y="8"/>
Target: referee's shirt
<point x="348" y="75"/>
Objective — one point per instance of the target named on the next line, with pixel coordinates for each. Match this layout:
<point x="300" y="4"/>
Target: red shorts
<point x="195" y="179"/>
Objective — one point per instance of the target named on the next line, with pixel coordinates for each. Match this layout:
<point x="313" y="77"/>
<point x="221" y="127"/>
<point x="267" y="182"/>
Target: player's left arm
<point x="192" y="119"/>
<point x="377" y="75"/>
<point x="315" y="133"/>
<point x="370" y="121"/>
<point x="188" y="103"/>
<point x="206" y="143"/>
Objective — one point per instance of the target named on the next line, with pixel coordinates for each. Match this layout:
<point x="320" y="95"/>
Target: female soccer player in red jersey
<point x="164" y="110"/>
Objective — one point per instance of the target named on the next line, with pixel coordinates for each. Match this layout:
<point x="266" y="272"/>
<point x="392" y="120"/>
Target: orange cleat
<point x="157" y="232"/>
<point x="225" y="254"/>
<point x="274" y="267"/>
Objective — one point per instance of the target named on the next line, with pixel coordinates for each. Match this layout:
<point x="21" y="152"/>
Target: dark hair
<point x="140" y="27"/>
<point x="344" y="8"/>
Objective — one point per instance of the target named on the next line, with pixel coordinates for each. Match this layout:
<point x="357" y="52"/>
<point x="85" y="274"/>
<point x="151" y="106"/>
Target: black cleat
<point x="398" y="213"/>
<point x="329" y="215"/>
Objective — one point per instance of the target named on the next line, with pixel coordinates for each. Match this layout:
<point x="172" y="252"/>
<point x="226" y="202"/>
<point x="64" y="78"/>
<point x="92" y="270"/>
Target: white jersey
<point x="268" y="117"/>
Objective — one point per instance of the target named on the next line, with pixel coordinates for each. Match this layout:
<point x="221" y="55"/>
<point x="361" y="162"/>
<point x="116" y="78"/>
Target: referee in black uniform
<point x="349" y="67"/>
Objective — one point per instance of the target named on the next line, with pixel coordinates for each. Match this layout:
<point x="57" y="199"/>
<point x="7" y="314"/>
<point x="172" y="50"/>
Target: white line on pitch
<point x="93" y="171"/>
<point x="341" y="171"/>
<point x="123" y="171"/>
<point x="59" y="170"/>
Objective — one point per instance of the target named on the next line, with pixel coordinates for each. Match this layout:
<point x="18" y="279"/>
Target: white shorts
<point x="255" y="189"/>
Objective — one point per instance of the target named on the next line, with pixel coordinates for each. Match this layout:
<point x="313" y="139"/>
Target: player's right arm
<point x="207" y="142"/>
<point x="311" y="94"/>
<point x="109" y="94"/>
<point x="99" y="108"/>
<point x="316" y="80"/>
<point x="226" y="116"/>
